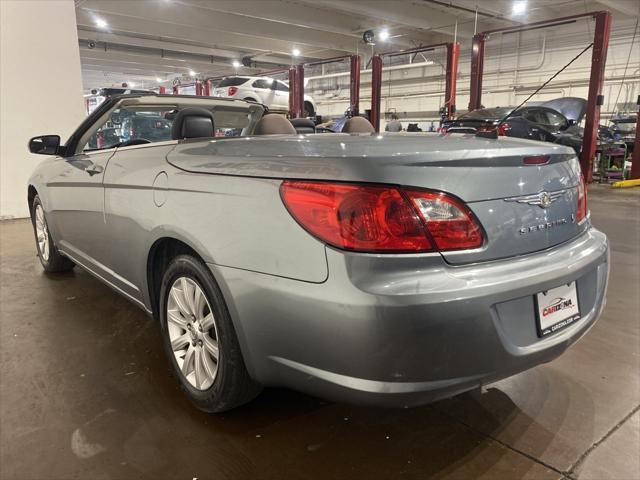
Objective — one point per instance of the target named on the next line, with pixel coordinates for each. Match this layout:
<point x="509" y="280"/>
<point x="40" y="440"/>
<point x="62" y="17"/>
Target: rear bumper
<point x="406" y="330"/>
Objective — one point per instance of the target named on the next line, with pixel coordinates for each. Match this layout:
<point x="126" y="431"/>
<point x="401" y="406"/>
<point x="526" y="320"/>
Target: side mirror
<point x="45" y="145"/>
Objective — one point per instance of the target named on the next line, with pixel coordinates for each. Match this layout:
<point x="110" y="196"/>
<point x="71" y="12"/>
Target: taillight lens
<point x="369" y="218"/>
<point x="232" y="91"/>
<point x="582" y="209"/>
<point x="504" y="129"/>
<point x="449" y="221"/>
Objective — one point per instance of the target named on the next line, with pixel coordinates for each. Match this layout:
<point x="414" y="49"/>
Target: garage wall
<point x="40" y="88"/>
<point x="515" y="65"/>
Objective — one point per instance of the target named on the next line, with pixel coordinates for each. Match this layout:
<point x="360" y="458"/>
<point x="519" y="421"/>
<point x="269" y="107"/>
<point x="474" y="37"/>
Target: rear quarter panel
<point x="229" y="221"/>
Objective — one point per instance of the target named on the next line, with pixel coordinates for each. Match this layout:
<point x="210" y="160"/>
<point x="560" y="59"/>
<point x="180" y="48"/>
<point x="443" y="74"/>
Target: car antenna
<point x="494" y="133"/>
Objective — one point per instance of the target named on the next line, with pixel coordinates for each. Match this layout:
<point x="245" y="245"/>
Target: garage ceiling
<point x="151" y="42"/>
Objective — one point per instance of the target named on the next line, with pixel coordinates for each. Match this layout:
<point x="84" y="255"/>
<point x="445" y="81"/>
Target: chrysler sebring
<point x="390" y="269"/>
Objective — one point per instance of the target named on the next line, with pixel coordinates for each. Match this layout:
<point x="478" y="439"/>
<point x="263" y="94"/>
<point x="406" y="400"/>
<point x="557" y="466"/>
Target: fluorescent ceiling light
<point x="295" y="52"/>
<point x="101" y="23"/>
<point x="519" y="7"/>
<point x="192" y="73"/>
<point x="236" y="64"/>
<point x="384" y="35"/>
<point x="158" y="79"/>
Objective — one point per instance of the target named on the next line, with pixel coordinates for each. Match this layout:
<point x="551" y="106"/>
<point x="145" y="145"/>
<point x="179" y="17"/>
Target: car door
<point x="76" y="197"/>
<point x="134" y="185"/>
<point x="282" y="95"/>
<point x="262" y="87"/>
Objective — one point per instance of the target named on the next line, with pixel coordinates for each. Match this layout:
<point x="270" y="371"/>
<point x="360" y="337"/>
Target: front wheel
<point x="200" y="340"/>
<point x="48" y="254"/>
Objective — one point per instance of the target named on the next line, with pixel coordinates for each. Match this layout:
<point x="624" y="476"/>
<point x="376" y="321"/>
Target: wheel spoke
<point x="200" y="302"/>
<point x="208" y="365"/>
<point x="188" y="292"/>
<point x="207" y="322"/>
<point x="178" y="297"/>
<point x="187" y="366"/>
<point x="179" y="343"/>
<point x="174" y="317"/>
<point x="200" y="374"/>
<point x="211" y="346"/>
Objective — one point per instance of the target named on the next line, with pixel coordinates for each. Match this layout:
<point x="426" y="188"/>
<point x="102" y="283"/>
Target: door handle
<point x="93" y="169"/>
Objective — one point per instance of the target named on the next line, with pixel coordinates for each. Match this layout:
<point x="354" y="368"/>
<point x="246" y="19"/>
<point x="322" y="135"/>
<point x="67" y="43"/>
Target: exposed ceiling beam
<point x="179" y="21"/>
<point x="626" y="7"/>
<point x="402" y="14"/>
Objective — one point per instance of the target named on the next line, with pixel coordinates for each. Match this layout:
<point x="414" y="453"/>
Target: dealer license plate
<point x="557" y="308"/>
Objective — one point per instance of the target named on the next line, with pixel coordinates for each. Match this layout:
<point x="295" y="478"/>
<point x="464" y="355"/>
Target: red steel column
<point x="635" y="160"/>
<point x="206" y="88"/>
<point x="594" y="100"/>
<point x="162" y="90"/>
<point x="453" y="51"/>
<point x="354" y="91"/>
<point x="293" y="98"/>
<point x="477" y="70"/>
<point x="300" y="90"/>
<point x="376" y="91"/>
<point x="198" y="88"/>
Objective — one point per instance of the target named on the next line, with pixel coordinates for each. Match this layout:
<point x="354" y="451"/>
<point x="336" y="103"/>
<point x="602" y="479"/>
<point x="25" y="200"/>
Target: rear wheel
<point x="48" y="254"/>
<point x="200" y="340"/>
<point x="309" y="111"/>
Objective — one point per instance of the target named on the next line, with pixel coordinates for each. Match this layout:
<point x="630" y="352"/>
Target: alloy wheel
<point x="193" y="333"/>
<point x="42" y="233"/>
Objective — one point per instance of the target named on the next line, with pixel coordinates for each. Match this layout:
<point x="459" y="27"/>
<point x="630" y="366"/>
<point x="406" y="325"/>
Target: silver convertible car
<point x="389" y="270"/>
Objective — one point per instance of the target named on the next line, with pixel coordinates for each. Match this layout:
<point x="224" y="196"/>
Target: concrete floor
<point x="85" y="392"/>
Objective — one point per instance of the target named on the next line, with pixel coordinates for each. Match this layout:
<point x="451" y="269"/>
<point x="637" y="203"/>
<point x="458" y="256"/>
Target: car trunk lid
<point x="489" y="175"/>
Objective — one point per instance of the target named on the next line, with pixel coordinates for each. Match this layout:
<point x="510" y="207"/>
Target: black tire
<point x="54" y="261"/>
<point x="309" y="110"/>
<point x="232" y="386"/>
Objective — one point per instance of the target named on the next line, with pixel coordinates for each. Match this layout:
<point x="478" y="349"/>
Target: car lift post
<point x="376" y="91"/>
<point x="298" y="94"/>
<point x="450" y="77"/>
<point x="354" y="84"/>
<point x="176" y="90"/>
<point x="635" y="164"/>
<point x="453" y="52"/>
<point x="198" y="88"/>
<point x="206" y="88"/>
<point x="596" y="81"/>
<point x="477" y="68"/>
<point x="293" y="98"/>
<point x="162" y="90"/>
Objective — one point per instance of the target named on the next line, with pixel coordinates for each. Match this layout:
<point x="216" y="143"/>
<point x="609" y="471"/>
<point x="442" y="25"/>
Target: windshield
<point x="496" y="113"/>
<point x="232" y="81"/>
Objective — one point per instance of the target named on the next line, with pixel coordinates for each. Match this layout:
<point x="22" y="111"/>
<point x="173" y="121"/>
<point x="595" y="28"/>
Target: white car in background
<point x="272" y="93"/>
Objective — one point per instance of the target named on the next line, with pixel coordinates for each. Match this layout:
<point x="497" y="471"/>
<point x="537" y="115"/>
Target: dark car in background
<point x="555" y="121"/>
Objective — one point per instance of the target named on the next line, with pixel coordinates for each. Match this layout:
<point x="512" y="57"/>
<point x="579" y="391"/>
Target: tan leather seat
<point x="358" y="125"/>
<point x="274" y="124"/>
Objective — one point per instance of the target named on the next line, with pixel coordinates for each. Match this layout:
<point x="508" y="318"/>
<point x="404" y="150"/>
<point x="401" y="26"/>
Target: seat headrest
<point x="358" y="125"/>
<point x="274" y="124"/>
<point x="193" y="122"/>
<point x="303" y="125"/>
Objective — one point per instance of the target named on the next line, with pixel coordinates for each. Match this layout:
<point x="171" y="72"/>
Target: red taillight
<point x="581" y="210"/>
<point x="232" y="91"/>
<point x="449" y="221"/>
<point x="504" y="129"/>
<point x="370" y="218"/>
<point x="536" y="160"/>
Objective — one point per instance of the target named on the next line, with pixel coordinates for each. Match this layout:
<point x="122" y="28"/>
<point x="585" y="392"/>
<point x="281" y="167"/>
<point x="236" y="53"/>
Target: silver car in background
<point x="390" y="269"/>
